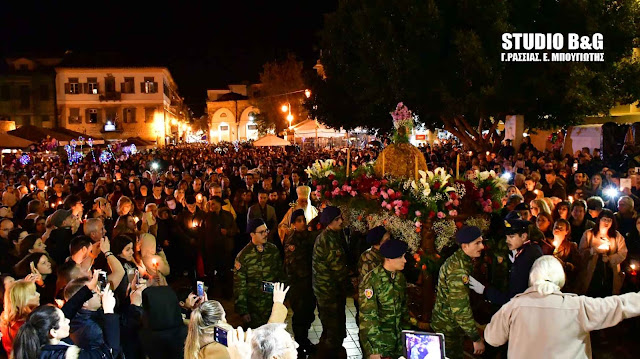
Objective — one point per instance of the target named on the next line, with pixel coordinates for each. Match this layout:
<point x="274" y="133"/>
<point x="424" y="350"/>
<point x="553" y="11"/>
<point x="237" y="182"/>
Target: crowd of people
<point x="106" y="259"/>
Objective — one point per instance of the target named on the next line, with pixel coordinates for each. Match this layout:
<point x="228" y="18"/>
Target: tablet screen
<point x="423" y="345"/>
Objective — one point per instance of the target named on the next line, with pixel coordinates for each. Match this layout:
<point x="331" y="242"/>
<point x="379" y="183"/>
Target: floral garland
<point x="402" y="122"/>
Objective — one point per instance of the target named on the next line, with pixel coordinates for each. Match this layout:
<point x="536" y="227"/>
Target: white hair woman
<point x="543" y="322"/>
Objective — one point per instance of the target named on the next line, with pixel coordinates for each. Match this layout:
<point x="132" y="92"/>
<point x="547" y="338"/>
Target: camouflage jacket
<point x="330" y="266"/>
<point x="253" y="266"/>
<point x="298" y="249"/>
<point x="452" y="310"/>
<point x="383" y="312"/>
<point x="368" y="260"/>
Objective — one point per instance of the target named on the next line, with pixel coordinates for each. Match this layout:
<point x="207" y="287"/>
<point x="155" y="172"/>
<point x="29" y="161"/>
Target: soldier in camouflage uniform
<point x="383" y="304"/>
<point x="331" y="283"/>
<point x="452" y="315"/>
<point x="372" y="258"/>
<point x="298" y="249"/>
<point x="258" y="262"/>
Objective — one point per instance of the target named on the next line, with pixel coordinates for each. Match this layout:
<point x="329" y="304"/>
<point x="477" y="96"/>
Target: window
<point x="25" y="97"/>
<point x="224" y="128"/>
<point x="73" y="86"/>
<point x="166" y="90"/>
<point x="6" y="92"/>
<point x="92" y="115"/>
<point x="252" y="127"/>
<point x="148" y="86"/>
<point x="129" y="115"/>
<point x="44" y="118"/>
<point x="92" y="85"/>
<point x="128" y="85"/>
<point x="149" y="113"/>
<point x="74" y="115"/>
<point x="44" y="92"/>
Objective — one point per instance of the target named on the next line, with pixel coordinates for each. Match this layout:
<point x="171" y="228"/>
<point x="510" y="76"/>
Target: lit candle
<point x="604" y="246"/>
<point x="136" y="219"/>
<point x="155" y="263"/>
<point x="570" y="199"/>
<point x="199" y="197"/>
<point x="415" y="161"/>
<point x="53" y="205"/>
<point x="194" y="224"/>
<point x="470" y="153"/>
<point x="458" y="166"/>
<point x="348" y="160"/>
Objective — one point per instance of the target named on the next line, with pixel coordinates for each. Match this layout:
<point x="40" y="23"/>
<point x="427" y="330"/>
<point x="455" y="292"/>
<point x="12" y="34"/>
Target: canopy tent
<point x="37" y="134"/>
<point x="271" y="140"/>
<point x="13" y="142"/>
<point x="76" y="135"/>
<point x="312" y="128"/>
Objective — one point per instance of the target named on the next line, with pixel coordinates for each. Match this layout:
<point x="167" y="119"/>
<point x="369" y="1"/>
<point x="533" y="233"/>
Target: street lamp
<point x="287" y="108"/>
<point x="307" y="93"/>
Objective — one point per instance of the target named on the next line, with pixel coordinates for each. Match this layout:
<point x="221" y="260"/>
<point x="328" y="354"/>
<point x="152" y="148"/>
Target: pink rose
<point x="384" y="195"/>
<point x="384" y="203"/>
<point x="319" y="188"/>
<point x="334" y="183"/>
<point x="353" y="193"/>
<point x="318" y="194"/>
<point x="397" y="203"/>
<point x="441" y="215"/>
<point x="336" y="191"/>
<point x="374" y="190"/>
<point x="389" y="207"/>
<point x="456" y="203"/>
<point x="391" y="192"/>
<point x="418" y="213"/>
<point x="418" y="224"/>
<point x="453" y="213"/>
<point x="397" y="211"/>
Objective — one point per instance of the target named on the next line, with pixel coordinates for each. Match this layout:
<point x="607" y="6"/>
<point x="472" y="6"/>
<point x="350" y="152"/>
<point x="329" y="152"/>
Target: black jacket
<point x="163" y="333"/>
<point x="58" y="244"/>
<point x="518" y="275"/>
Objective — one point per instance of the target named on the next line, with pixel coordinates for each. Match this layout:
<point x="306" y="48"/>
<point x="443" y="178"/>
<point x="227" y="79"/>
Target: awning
<point x="9" y="141"/>
<point x="271" y="140"/>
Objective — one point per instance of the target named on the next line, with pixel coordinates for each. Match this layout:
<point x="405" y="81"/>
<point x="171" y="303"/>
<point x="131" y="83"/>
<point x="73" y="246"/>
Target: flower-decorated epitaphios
<point x="402" y="122"/>
<point x="490" y="190"/>
<point x="321" y="169"/>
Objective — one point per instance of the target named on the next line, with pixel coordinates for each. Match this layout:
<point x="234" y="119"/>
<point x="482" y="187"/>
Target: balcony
<point x="111" y="96"/>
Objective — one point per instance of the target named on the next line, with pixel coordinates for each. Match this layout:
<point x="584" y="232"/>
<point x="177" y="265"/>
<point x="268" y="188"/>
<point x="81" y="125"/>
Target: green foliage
<point x="442" y="59"/>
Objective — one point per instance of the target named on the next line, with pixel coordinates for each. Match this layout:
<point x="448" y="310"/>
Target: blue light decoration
<point x="90" y="143"/>
<point x="133" y="149"/>
<point x="72" y="155"/>
<point x="105" y="156"/>
<point x="25" y="160"/>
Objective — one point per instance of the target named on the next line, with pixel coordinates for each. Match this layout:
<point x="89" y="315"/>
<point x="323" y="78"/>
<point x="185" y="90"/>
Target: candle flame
<point x="604" y="246"/>
<point x="633" y="266"/>
<point x="136" y="219"/>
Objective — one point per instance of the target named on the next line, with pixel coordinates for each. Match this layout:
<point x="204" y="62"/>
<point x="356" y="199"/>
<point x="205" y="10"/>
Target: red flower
<point x="459" y="224"/>
<point x="453" y="196"/>
<point x="327" y="194"/>
<point x="332" y="177"/>
<point x="384" y="182"/>
<point x="496" y="205"/>
<point x="436" y="185"/>
<point x="314" y="183"/>
<point x="404" y="210"/>
<point x="405" y="203"/>
<point x="432" y="214"/>
<point x="488" y="189"/>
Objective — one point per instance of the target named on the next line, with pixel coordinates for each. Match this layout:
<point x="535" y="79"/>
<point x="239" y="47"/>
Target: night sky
<point x="204" y="46"/>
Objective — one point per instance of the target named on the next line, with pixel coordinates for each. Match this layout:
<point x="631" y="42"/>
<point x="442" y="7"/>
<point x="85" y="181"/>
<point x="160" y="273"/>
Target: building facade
<point x="27" y="91"/>
<point x="231" y="116"/>
<point x="118" y="103"/>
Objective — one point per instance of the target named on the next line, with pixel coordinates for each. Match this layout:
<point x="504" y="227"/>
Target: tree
<point x="277" y="82"/>
<point x="442" y="59"/>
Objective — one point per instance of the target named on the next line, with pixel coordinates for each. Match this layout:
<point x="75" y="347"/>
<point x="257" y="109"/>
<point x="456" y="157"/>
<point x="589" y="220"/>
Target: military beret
<point x="513" y="215"/>
<point x="468" y="234"/>
<point x="297" y="213"/>
<point x="516" y="226"/>
<point x="253" y="224"/>
<point x="393" y="248"/>
<point x="375" y="235"/>
<point x="329" y="214"/>
<point x="522" y="207"/>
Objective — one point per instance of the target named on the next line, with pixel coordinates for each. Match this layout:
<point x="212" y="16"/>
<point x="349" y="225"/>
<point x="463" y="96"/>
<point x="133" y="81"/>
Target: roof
<point x="74" y="134"/>
<point x="9" y="141"/>
<point x="37" y="134"/>
<point x="231" y="96"/>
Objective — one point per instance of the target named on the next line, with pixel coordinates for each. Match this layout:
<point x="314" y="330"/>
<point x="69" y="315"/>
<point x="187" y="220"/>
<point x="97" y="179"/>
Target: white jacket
<point x="556" y="325"/>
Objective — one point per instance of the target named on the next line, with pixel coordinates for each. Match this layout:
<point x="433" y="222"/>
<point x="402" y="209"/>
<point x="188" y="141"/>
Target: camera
<point x="102" y="280"/>
<point x="200" y="289"/>
<point x="267" y="287"/>
<point x="220" y="335"/>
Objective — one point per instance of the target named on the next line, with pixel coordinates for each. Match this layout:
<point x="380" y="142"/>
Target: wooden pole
<point x="383" y="164"/>
<point x="415" y="161"/>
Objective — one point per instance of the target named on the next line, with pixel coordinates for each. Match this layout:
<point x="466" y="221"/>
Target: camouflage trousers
<point x="453" y="340"/>
<point x="333" y="318"/>
<point x="303" y="303"/>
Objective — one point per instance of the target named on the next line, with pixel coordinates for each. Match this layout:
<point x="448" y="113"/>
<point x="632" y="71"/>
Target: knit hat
<point x="59" y="216"/>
